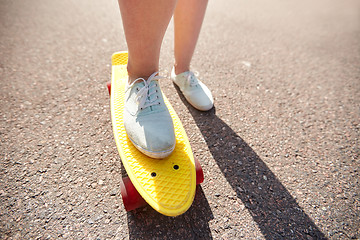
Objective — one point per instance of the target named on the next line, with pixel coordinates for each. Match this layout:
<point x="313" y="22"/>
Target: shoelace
<point x="192" y="79"/>
<point x="144" y="94"/>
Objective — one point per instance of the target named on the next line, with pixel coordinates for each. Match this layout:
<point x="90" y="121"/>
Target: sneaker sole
<point x="153" y="154"/>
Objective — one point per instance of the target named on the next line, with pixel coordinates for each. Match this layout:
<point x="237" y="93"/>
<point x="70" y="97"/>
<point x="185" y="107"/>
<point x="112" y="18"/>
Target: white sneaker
<point x="195" y="92"/>
<point x="147" y="120"/>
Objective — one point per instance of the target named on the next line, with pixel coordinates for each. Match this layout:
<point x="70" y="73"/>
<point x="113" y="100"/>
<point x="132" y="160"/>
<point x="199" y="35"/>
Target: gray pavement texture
<point x="280" y="150"/>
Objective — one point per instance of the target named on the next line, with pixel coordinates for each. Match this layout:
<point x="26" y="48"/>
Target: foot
<point x="195" y="92"/>
<point x="147" y="120"/>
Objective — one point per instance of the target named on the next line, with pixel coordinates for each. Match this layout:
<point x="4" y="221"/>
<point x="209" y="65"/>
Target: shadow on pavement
<point x="146" y="223"/>
<point x="270" y="204"/>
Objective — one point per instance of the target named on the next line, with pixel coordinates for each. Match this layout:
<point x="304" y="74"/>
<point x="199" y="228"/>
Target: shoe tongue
<point x="139" y="84"/>
<point x="191" y="78"/>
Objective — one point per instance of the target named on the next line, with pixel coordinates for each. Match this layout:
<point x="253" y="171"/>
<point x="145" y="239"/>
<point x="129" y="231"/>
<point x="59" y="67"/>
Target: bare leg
<point x="188" y="18"/>
<point x="145" y="23"/>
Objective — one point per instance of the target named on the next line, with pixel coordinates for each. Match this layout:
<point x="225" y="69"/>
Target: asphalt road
<point x="280" y="150"/>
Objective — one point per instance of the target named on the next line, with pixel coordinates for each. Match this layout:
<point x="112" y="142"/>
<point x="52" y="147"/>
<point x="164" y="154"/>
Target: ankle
<point x="180" y="69"/>
<point x="135" y="73"/>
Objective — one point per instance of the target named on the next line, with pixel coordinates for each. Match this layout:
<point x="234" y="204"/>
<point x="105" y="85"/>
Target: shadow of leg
<point x="268" y="201"/>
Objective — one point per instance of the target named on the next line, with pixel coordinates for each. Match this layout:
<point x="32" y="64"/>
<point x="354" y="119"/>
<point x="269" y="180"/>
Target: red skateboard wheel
<point x="108" y="84"/>
<point x="130" y="196"/>
<point x="199" y="172"/>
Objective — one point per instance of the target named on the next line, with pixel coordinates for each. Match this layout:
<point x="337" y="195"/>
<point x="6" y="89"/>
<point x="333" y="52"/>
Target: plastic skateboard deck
<point x="167" y="185"/>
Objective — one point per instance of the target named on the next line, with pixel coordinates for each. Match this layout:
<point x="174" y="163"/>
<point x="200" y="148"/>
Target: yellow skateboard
<point x="167" y="185"/>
